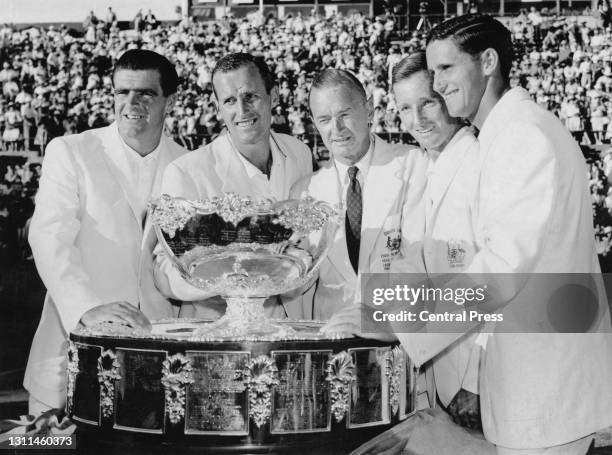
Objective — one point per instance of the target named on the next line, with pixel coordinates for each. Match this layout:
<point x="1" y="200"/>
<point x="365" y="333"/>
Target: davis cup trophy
<point x="243" y="383"/>
<point x="245" y="251"/>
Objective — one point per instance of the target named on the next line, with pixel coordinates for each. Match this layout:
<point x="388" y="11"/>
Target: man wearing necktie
<point x="370" y="179"/>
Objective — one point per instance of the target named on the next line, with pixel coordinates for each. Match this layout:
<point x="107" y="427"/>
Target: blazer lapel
<point x="325" y="186"/>
<point x="383" y="185"/>
<point x="165" y="157"/>
<point x="119" y="166"/>
<point x="281" y="175"/>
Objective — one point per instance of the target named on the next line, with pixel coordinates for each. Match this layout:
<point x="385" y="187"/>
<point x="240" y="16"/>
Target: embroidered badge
<point x="455" y="253"/>
<point x="393" y="244"/>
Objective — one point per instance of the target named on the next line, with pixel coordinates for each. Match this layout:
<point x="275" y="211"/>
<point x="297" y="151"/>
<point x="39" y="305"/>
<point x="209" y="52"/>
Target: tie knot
<point x="352" y="172"/>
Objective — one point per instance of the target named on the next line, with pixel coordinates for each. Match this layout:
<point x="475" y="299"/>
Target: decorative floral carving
<point x="108" y="373"/>
<point x="177" y="372"/>
<point x="305" y="216"/>
<point x="394" y="366"/>
<point x="260" y="376"/>
<point x="340" y="374"/>
<point x="234" y="208"/>
<point x="71" y="370"/>
<point x="171" y="214"/>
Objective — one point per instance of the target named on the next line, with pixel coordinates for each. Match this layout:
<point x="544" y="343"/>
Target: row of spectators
<point x="55" y="82"/>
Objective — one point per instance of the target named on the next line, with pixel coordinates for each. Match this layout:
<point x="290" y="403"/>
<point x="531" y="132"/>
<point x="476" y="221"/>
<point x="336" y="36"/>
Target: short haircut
<point x="232" y="62"/>
<point x="141" y="59"/>
<point x="332" y="77"/>
<point x="474" y="33"/>
<point x="409" y="66"/>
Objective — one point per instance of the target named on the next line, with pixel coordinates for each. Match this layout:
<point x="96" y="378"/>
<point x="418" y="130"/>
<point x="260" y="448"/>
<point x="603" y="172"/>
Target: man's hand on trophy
<point x="117" y="312"/>
<point x="345" y="321"/>
<point x="348" y="321"/>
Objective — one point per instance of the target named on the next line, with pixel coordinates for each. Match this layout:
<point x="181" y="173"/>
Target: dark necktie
<point x="353" y="217"/>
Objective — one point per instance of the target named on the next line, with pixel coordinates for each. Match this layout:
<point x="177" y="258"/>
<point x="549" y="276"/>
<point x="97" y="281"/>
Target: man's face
<point x="423" y="113"/>
<point x="140" y="105"/>
<point x="244" y="104"/>
<point x="342" y="118"/>
<point x="458" y="77"/>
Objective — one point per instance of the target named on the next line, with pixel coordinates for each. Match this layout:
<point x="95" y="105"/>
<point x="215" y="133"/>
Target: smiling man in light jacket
<point x="90" y="238"/>
<point x="541" y="393"/>
<point x="249" y="160"/>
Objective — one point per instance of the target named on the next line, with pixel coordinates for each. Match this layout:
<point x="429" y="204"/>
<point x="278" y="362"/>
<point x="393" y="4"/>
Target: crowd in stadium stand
<point x="56" y="81"/>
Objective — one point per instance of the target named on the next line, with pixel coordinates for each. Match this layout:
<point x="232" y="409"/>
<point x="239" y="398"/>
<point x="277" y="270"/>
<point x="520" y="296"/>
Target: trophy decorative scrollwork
<point x="340" y="374"/>
<point x="177" y="372"/>
<point x="108" y="373"/>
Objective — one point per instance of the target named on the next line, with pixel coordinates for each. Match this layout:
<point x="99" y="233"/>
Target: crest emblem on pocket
<point x="393" y="244"/>
<point x="455" y="253"/>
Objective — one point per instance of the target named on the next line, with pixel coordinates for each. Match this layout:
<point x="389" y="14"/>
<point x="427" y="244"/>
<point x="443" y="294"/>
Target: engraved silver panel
<point x="369" y="402"/>
<point x="217" y="401"/>
<point x="301" y="402"/>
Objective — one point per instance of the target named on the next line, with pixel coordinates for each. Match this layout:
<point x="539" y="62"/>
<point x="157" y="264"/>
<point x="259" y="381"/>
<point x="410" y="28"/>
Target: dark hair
<point x="141" y="59"/>
<point x="408" y="66"/>
<point x="474" y="33"/>
<point x="332" y="77"/>
<point x="232" y="62"/>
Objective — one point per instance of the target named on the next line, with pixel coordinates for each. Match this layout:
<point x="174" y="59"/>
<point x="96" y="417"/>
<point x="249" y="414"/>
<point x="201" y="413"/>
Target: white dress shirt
<point x="363" y="165"/>
<point x="141" y="175"/>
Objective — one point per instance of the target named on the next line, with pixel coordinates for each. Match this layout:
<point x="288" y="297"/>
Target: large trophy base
<point x="165" y="392"/>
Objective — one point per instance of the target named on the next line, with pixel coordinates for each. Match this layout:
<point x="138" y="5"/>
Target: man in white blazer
<point x="540" y="392"/>
<point x="249" y="159"/>
<point x="387" y="175"/>
<point x="449" y="242"/>
<point x="89" y="235"/>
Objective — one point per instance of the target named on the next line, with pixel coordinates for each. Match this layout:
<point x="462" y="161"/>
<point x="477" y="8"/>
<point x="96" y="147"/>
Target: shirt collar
<point x="250" y="168"/>
<point x="363" y="164"/>
<point x="134" y="157"/>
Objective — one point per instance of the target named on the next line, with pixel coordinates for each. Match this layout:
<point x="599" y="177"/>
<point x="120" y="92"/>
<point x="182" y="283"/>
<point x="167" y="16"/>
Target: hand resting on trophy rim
<point x="348" y="320"/>
<point x="116" y="312"/>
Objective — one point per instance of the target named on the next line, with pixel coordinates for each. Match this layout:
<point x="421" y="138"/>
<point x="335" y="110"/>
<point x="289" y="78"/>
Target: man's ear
<point x="170" y="101"/>
<point x="489" y="60"/>
<point x="274" y="97"/>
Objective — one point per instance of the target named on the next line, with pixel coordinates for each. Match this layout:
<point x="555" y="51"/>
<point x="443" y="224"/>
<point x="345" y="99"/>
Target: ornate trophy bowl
<point x="245" y="251"/>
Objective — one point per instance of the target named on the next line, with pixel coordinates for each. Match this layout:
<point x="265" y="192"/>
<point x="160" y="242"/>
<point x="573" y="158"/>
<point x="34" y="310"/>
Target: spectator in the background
<point x="12" y="124"/>
<point x="111" y="16"/>
<point x="138" y="21"/>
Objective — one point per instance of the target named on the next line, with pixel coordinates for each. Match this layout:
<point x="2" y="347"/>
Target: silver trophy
<point x="245" y="250"/>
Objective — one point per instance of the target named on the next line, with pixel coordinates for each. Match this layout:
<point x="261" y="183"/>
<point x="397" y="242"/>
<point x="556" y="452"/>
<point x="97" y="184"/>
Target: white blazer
<point x="533" y="215"/>
<point x="449" y="246"/>
<point x="395" y="181"/>
<point x="89" y="246"/>
<point x="212" y="171"/>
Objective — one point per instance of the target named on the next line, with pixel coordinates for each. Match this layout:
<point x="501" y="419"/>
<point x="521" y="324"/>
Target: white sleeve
<point x="53" y="232"/>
